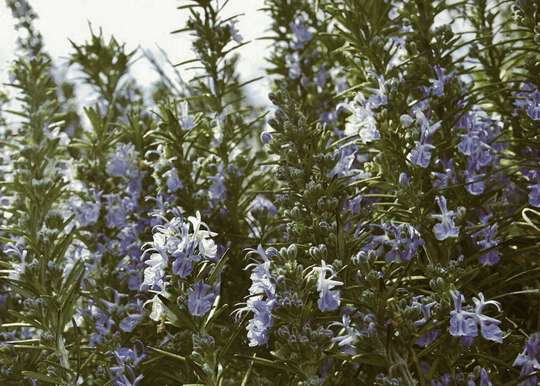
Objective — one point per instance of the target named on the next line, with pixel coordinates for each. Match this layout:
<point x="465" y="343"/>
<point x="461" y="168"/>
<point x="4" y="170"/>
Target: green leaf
<point x="169" y="354"/>
<point x="182" y="315"/>
<point x="26" y="319"/>
<point x="219" y="267"/>
<point x="200" y="372"/>
<point x="42" y="377"/>
<point x="372" y="359"/>
<point x="269" y="363"/>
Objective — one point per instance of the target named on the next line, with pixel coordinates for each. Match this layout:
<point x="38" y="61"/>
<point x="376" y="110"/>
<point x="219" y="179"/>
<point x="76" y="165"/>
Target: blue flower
<point x="485" y="238"/>
<point x="234" y="32"/>
<point x="123" y="162"/>
<point x="446" y="228"/>
<point x="329" y="300"/>
<point x="293" y="64"/>
<point x="186" y="120"/>
<point x="438" y="84"/>
<point x="474" y="183"/>
<point x="488" y="326"/>
<point x="301" y="33"/>
<point x="362" y="122"/>
<point x="173" y="182"/>
<point x="448" y="178"/>
<point x="463" y="323"/>
<point x="534" y="195"/>
<point x="201" y="298"/>
<point x="533" y="109"/>
<point x="262" y="287"/>
<point x="430" y="336"/>
<point x="421" y="156"/>
<point x="528" y="360"/>
<point x="484" y="379"/>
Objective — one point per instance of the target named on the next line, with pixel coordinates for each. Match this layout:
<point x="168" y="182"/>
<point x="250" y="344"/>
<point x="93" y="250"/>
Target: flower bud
<point x="266" y="137"/>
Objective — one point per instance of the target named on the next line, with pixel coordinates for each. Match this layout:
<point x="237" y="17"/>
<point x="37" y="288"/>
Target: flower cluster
<point x="174" y="235"/>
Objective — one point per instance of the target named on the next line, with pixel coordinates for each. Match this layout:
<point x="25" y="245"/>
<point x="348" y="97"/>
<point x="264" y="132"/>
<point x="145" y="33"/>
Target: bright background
<point x="138" y="23"/>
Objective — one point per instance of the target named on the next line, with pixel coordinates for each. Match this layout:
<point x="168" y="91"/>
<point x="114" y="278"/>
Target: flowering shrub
<point x="379" y="227"/>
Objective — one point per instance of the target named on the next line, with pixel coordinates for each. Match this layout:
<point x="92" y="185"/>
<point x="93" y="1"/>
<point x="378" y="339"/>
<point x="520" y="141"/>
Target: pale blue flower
<point x="462" y="323"/>
<point x="488" y="326"/>
<point x="329" y="300"/>
<point x="528" y="360"/>
<point x="533" y="109"/>
<point x="201" y="298"/>
<point x="446" y="228"/>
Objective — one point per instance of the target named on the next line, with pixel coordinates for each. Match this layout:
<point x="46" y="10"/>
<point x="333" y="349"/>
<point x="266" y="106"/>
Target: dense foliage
<point x="379" y="226"/>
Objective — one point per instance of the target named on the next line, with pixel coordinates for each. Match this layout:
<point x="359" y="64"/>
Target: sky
<point x="138" y="23"/>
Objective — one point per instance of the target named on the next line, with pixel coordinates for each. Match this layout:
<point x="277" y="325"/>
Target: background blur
<point x="138" y="23"/>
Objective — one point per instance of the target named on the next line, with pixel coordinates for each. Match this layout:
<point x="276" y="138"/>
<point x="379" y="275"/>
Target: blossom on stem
<point x="201" y="298"/>
<point x="301" y="33"/>
<point x="123" y="162"/>
<point x="533" y="108"/>
<point x="329" y="300"/>
<point x="528" y="360"/>
<point x="262" y="298"/>
<point x="462" y="323"/>
<point x="446" y="228"/>
<point x="293" y="64"/>
<point x="187" y="121"/>
<point x="488" y="326"/>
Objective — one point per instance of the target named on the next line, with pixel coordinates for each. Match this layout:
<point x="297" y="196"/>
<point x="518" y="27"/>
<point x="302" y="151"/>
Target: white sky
<point x="144" y="23"/>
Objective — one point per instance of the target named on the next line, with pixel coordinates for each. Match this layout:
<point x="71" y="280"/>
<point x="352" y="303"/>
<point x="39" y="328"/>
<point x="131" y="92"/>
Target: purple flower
<point x="474" y="183"/>
<point x="470" y="142"/>
<point x="362" y="122"/>
<point x="448" y="178"/>
<point x="522" y="99"/>
<point x="446" y="228"/>
<point x="116" y="211"/>
<point x="484" y="379"/>
<point x="438" y="84"/>
<point x="234" y="32"/>
<point x="346" y="158"/>
<point x="127" y="357"/>
<point x="488" y="326"/>
<point x="123" y="162"/>
<point x="182" y="265"/>
<point x="262" y="287"/>
<point x="261" y="202"/>
<point x="351" y="333"/>
<point x="122" y="380"/>
<point x="534" y="195"/>
<point x="201" y="298"/>
<point x="463" y="323"/>
<point x="293" y="64"/>
<point x="186" y="120"/>
<point x="128" y="323"/>
<point x="403" y="240"/>
<point x="485" y="238"/>
<point x="528" y="360"/>
<point x="173" y="182"/>
<point x="301" y="33"/>
<point x="87" y="212"/>
<point x="378" y="97"/>
<point x="421" y="156"/>
<point x="533" y="109"/>
<point x="429" y="337"/>
<point x="329" y="300"/>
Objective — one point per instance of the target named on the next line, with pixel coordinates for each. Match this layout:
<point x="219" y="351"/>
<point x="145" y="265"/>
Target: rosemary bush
<point x="379" y="226"/>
